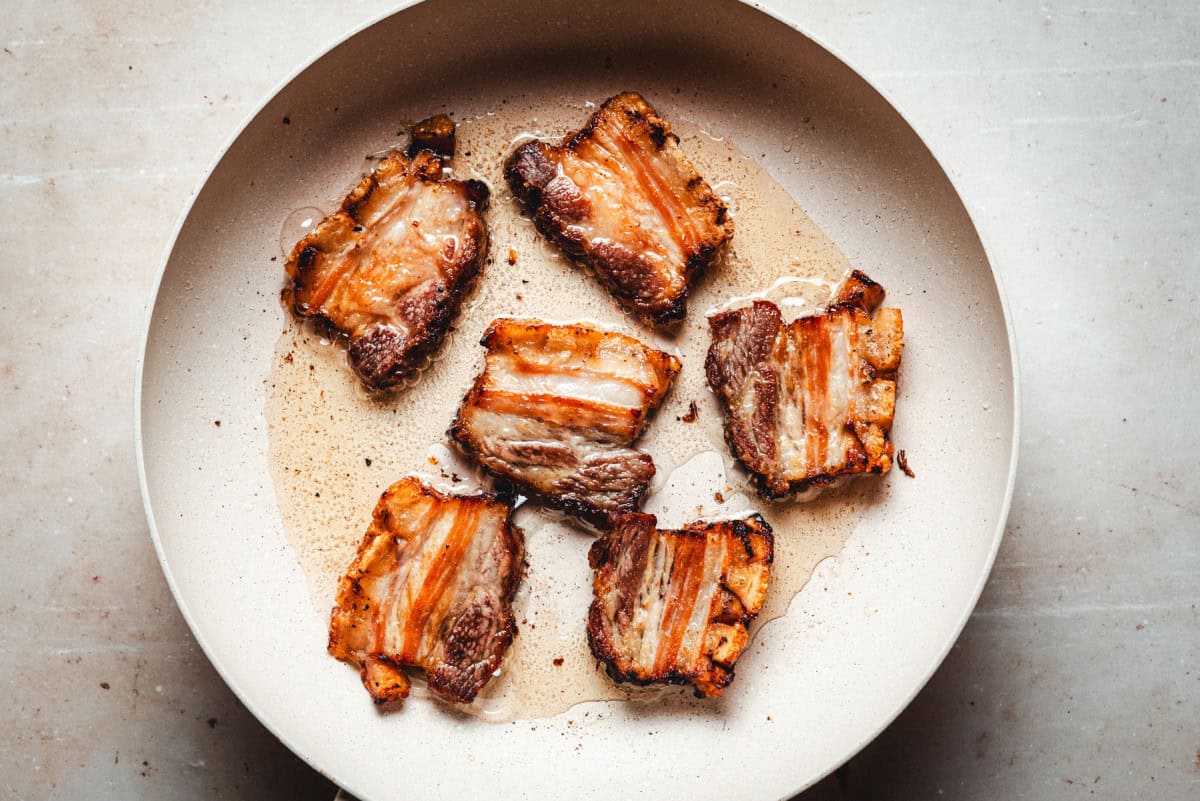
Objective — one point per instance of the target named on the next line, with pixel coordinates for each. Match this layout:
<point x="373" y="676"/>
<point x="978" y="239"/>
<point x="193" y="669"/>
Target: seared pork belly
<point x="390" y="267"/>
<point x="673" y="606"/>
<point x="812" y="399"/>
<point x="431" y="587"/>
<point x="557" y="409"/>
<point x="620" y="196"/>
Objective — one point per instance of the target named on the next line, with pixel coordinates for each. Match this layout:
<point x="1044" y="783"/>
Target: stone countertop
<point x="1070" y="129"/>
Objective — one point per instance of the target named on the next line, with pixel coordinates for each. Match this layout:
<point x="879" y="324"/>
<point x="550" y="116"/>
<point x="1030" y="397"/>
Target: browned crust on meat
<point x="858" y="291"/>
<point x="386" y="344"/>
<point x="615" y="472"/>
<point x="472" y="650"/>
<point x="557" y="204"/>
<point x="753" y="360"/>
<point x="621" y="560"/>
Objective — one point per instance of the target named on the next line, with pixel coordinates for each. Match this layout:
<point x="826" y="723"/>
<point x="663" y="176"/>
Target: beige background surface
<point x="1069" y="129"/>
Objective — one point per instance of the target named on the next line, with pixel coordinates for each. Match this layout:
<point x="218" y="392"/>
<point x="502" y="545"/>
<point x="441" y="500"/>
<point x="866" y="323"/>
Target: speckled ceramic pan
<point x="875" y="620"/>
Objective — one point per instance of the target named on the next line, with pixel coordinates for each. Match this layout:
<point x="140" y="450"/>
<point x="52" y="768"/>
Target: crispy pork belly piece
<point x="389" y="269"/>
<point x="556" y="410"/>
<point x="812" y="399"/>
<point x="673" y="606"/>
<point x="620" y="197"/>
<point x="431" y="587"/>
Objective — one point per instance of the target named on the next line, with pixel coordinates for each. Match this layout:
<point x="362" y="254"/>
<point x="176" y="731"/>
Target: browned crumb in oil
<point x="902" y="462"/>
<point x="719" y="497"/>
<point x="558" y="661"/>
<point x="512" y="256"/>
<point x="692" y="414"/>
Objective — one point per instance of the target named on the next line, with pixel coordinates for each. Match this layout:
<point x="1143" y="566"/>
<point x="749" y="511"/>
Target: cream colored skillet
<point x="865" y="633"/>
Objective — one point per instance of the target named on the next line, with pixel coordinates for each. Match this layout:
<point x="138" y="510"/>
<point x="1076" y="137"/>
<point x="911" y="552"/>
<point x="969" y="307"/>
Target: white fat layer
<point x="381" y="590"/>
<point x="790" y="415"/>
<point x="497" y="431"/>
<point x="385" y="588"/>
<point x="837" y="392"/>
<point x="693" y="637"/>
<point x="582" y="385"/>
<point x="648" y="615"/>
<point x="796" y="408"/>
<point x="425" y="549"/>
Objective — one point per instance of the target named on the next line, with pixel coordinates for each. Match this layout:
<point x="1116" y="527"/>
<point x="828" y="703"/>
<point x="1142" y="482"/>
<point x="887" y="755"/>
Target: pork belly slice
<point x="812" y="399"/>
<point x="431" y="587"/>
<point x="620" y="197"/>
<point x="556" y="411"/>
<point x="389" y="269"/>
<point x="674" y="606"/>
